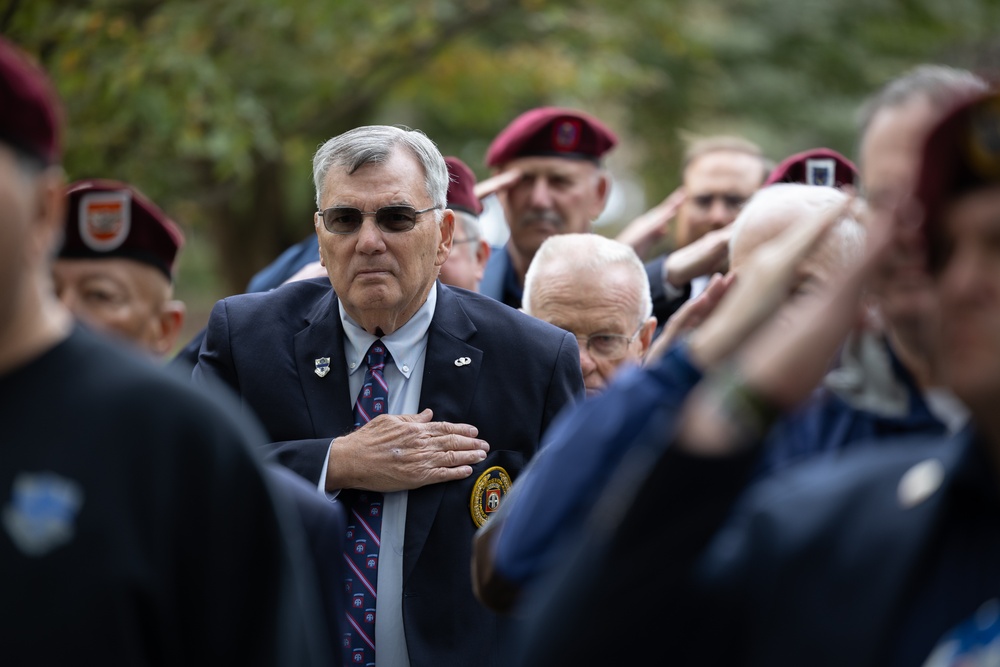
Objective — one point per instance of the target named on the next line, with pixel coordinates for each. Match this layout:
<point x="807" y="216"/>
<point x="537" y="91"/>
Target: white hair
<point x="588" y="253"/>
<point x="791" y="201"/>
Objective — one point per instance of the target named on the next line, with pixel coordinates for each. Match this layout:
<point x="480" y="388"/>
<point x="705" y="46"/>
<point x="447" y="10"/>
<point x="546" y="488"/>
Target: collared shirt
<point x="408" y="348"/>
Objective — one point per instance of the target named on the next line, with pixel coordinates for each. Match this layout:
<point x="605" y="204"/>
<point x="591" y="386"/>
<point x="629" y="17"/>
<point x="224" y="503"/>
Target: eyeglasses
<point x="731" y="202"/>
<point x="461" y="241"/>
<point x="390" y="219"/>
<point x="609" y="346"/>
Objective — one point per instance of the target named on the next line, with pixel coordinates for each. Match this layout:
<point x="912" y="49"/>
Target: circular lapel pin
<point x="487" y="492"/>
<point x="920" y="482"/>
<point x="463" y="361"/>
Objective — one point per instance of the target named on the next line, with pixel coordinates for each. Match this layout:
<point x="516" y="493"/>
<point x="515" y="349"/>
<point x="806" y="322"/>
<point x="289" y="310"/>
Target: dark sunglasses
<point x="391" y="219"/>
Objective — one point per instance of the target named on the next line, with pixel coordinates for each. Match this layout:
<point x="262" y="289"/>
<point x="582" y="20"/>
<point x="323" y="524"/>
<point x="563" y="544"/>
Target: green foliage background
<point x="214" y="107"/>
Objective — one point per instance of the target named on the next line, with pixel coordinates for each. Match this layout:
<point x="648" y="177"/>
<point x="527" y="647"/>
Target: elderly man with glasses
<point x="596" y="289"/>
<point x="454" y="392"/>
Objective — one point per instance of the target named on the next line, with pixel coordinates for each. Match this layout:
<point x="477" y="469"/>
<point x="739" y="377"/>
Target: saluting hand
<point x="400" y="452"/>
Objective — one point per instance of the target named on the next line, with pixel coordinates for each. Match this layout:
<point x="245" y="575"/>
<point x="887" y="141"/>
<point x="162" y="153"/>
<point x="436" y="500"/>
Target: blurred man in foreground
<point x="137" y="525"/>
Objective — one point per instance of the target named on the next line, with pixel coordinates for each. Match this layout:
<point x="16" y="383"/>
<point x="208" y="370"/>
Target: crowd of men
<point x="773" y="445"/>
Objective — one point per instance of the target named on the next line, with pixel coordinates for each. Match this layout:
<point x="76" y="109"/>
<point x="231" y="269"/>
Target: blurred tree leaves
<point x="214" y="108"/>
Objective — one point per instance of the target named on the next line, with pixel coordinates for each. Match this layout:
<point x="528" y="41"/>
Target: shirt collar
<point x="404" y="344"/>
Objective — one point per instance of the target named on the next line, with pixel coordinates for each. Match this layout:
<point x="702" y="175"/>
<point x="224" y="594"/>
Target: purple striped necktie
<point x="364" y="525"/>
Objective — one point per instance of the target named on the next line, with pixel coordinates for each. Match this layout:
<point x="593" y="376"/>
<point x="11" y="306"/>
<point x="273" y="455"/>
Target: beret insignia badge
<point x="566" y="134"/>
<point x="105" y="219"/>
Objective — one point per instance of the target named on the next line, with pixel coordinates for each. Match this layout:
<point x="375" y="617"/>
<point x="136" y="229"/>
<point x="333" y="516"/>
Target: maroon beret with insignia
<point x="461" y="185"/>
<point x="113" y="219"/>
<point x="552" y="132"/>
<point x="817" y="166"/>
<point x="30" y="114"/>
<point x="961" y="154"/>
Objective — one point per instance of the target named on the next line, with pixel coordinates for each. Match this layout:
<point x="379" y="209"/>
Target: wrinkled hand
<point x="643" y="232"/>
<point x="708" y="254"/>
<point x="400" y="452"/>
<point x="689" y="316"/>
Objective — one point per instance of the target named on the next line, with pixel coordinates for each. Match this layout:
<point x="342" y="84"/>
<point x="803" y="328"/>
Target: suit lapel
<point x="447" y="388"/>
<point x="327" y="398"/>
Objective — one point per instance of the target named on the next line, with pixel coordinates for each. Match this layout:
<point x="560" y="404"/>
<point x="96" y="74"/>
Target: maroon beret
<point x="461" y="187"/>
<point x="113" y="219"/>
<point x="817" y="166"/>
<point x="553" y="132"/>
<point x="30" y="114"/>
<point x="961" y="154"/>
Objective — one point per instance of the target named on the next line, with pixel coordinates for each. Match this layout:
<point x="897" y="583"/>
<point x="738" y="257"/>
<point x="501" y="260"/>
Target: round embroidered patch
<point x="487" y="493"/>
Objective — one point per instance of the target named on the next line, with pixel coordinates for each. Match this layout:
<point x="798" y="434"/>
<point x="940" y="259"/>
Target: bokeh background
<point x="215" y="107"/>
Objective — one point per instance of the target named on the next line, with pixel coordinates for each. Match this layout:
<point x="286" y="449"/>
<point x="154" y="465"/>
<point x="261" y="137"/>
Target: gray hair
<point x="375" y="143"/>
<point x="797" y="200"/>
<point x="941" y="85"/>
<point x="590" y="253"/>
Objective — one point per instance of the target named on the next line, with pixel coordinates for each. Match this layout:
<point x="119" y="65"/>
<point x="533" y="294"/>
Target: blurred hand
<point x="643" y="232"/>
<point x="709" y="254"/>
<point x="400" y="452"/>
<point x="495" y="184"/>
<point x="783" y="362"/>
<point x="763" y="284"/>
<point x="689" y="316"/>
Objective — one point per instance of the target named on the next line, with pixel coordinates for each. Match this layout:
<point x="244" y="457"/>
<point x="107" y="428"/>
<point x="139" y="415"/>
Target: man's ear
<point x="447" y="227"/>
<point x="646" y="334"/>
<point x="483" y="252"/>
<point x="170" y="321"/>
<point x="603" y="187"/>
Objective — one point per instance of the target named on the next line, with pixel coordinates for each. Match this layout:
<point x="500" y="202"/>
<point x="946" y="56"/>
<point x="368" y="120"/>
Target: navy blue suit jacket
<point x="522" y="373"/>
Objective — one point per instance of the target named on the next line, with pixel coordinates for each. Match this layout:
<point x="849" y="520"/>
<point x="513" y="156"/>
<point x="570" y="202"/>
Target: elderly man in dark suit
<point x="454" y="392"/>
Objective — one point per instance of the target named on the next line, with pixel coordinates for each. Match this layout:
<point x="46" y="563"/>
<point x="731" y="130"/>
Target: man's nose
<point x="370" y="237"/>
<point x="587" y="362"/>
<point x="541" y="194"/>
<point x="720" y="214"/>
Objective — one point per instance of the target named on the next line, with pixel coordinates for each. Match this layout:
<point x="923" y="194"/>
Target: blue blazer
<point x="522" y="373"/>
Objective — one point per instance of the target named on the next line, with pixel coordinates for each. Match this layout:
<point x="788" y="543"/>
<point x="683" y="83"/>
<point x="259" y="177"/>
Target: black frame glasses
<point x="390" y="219"/>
